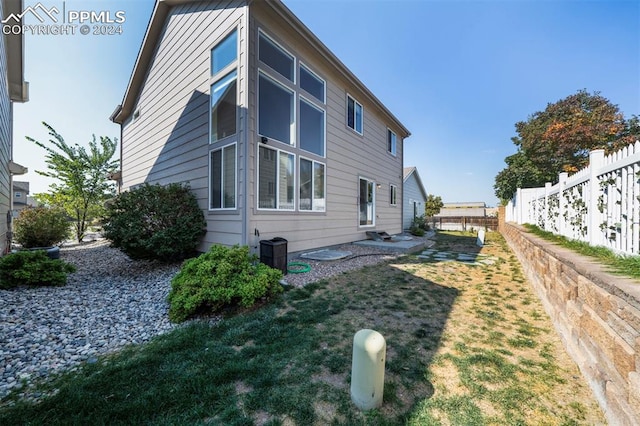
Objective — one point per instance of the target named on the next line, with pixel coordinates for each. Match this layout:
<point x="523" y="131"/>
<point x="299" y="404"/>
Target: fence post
<point x="562" y="203"/>
<point x="518" y="207"/>
<point x="596" y="161"/>
<point x="545" y="218"/>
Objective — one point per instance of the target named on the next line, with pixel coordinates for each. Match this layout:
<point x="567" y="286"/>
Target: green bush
<point x="32" y="268"/>
<point x="155" y="222"/>
<point x="41" y="227"/>
<point x="221" y="277"/>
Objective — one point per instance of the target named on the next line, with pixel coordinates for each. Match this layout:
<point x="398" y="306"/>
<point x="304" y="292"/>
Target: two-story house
<point x="274" y="135"/>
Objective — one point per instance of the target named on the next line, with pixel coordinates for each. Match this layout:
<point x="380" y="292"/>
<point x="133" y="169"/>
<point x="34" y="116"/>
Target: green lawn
<point x="466" y="345"/>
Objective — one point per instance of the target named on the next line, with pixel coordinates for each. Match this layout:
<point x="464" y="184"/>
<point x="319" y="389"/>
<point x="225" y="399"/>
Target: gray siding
<point x="5" y="144"/>
<point x="348" y="155"/>
<point x="169" y="141"/>
<point x="412" y="193"/>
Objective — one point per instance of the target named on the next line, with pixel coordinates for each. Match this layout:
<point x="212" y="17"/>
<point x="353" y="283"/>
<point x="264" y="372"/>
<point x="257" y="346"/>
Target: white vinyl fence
<point x="600" y="204"/>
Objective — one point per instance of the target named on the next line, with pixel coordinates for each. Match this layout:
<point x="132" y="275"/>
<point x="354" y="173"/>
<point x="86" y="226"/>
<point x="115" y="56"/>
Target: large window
<point x="276" y="57"/>
<point x="223" y="178"/>
<point x="275" y="110"/>
<point x="312" y="188"/>
<point x="391" y="142"/>
<point x="276" y="179"/>
<point x="291" y="111"/>
<point x="311" y="128"/>
<point x="354" y="114"/>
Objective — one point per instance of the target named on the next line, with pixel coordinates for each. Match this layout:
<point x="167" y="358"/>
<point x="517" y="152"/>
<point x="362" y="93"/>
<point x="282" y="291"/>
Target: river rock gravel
<point x="111" y="301"/>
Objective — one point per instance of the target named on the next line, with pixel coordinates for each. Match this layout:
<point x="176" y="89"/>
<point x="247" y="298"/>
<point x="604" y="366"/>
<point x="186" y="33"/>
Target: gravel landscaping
<point x="111" y="301"/>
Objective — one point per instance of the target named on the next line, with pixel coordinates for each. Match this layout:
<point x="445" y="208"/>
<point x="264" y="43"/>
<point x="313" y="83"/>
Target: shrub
<point x="41" y="227"/>
<point x="32" y="268"/>
<point x="155" y="222"/>
<point x="221" y="277"/>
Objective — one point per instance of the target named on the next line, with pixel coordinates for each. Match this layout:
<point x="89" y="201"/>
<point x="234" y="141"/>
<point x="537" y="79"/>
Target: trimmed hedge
<point x="41" y="227"/>
<point x="32" y="268"/>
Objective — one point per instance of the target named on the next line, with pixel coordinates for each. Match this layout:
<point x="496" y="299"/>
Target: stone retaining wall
<point x="596" y="314"/>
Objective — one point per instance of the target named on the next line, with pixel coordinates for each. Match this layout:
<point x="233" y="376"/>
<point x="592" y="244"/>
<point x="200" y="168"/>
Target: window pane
<point x="351" y="115"/>
<point x="216" y="179"/>
<point x="286" y="182"/>
<point x="275" y="110"/>
<point x="391" y="142"/>
<point x="223" y="107"/>
<point x="229" y="179"/>
<point x="305" y="184"/>
<point x="275" y="57"/>
<point x="224" y="53"/>
<point x="267" y="179"/>
<point x="318" y="187"/>
<point x="312" y="84"/>
<point x="358" y="118"/>
<point x="311" y="128"/>
<point x="366" y="202"/>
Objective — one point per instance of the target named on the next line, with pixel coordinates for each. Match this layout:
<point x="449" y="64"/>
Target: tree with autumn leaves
<point x="560" y="138"/>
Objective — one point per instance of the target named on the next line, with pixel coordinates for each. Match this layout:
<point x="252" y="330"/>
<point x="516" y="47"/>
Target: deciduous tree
<point x="432" y="205"/>
<point x="82" y="174"/>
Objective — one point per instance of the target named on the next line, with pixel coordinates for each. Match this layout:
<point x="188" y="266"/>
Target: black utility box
<point x="273" y="253"/>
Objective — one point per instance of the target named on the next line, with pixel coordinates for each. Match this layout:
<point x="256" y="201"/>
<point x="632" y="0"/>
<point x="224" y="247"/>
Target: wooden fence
<point x="599" y="205"/>
<point x="463" y="223"/>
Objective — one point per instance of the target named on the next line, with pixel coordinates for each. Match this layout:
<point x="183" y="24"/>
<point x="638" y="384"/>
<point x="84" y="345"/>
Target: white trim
<point x="395" y="144"/>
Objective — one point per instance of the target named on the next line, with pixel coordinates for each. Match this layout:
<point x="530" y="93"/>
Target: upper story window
<point x="224" y="53"/>
<point x="276" y="57"/>
<point x="354" y="114"/>
<point x="17" y="194"/>
<point x="391" y="142"/>
<point x="311" y="128"/>
<point x="224" y="88"/>
<point x="311" y="83"/>
<point x="275" y="110"/>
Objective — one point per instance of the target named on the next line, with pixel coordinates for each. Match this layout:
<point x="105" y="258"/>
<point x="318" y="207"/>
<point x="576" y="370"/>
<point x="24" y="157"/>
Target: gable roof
<point x="154" y="30"/>
<point x="407" y="172"/>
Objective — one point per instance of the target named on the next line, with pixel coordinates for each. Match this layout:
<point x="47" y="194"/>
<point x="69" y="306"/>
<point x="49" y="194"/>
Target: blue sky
<point x="458" y="74"/>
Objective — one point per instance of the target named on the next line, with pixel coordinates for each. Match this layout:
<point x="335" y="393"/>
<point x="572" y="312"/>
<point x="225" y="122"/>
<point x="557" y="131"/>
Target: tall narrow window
<point x="354" y="114"/>
<point x="275" y="110"/>
<point x="393" y="195"/>
<point x="311" y="128"/>
<point x="223" y="178"/>
<point x="311" y="186"/>
<point x="391" y="142"/>
<point x="223" y="107"/>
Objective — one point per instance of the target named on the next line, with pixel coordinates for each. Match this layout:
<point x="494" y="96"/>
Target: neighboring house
<point x="414" y="196"/>
<point x="13" y="88"/>
<point x="275" y="136"/>
<point x="20" y="195"/>
<point x="473" y="209"/>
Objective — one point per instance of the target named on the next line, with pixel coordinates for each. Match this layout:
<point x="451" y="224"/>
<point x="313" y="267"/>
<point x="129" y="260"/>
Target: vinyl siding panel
<point x="5" y="144"/>
<point x="348" y="154"/>
<point x="412" y="193"/>
<point x="169" y="141"/>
